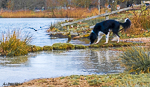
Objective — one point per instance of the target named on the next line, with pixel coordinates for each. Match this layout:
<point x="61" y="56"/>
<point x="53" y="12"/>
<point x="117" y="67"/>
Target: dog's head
<point x="92" y="37"/>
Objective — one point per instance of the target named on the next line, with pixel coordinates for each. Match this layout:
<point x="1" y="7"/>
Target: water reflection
<point x="105" y="61"/>
<point x="90" y="60"/>
<point x="17" y="61"/>
<point x="13" y="61"/>
<point x="94" y="60"/>
<point x="47" y="64"/>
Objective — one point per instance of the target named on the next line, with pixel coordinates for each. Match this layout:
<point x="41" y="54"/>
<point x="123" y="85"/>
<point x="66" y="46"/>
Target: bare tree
<point x="99" y="5"/>
<point x="32" y="4"/>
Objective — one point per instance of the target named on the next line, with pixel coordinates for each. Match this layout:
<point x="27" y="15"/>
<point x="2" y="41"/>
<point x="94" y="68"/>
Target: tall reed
<point x="14" y="44"/>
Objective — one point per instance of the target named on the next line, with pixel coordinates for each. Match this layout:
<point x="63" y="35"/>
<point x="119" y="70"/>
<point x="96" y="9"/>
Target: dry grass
<point x="70" y="13"/>
<point x="22" y="14"/>
<point x="113" y="80"/>
<point x="140" y="22"/>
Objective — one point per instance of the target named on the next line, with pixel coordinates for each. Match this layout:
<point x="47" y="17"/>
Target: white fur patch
<point x="100" y="33"/>
<point x="118" y="39"/>
<point x="126" y="19"/>
<point x="107" y="37"/>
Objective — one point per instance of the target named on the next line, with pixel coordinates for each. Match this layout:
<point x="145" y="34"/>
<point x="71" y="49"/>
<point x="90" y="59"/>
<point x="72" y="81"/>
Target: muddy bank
<point x="139" y="40"/>
<point x="54" y="35"/>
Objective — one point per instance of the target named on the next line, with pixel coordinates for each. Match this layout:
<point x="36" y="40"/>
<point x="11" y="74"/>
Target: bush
<point x="136" y="60"/>
<point x="12" y="45"/>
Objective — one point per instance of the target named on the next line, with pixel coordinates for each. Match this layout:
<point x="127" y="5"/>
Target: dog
<point x="105" y="27"/>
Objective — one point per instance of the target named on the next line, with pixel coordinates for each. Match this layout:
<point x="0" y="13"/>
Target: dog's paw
<point x="95" y="43"/>
<point x="106" y="43"/>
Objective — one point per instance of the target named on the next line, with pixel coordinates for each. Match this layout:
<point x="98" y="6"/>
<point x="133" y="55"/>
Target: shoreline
<point x="89" y="81"/>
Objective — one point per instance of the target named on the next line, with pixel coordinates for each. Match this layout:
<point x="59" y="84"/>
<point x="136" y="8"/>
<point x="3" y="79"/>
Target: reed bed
<point x="23" y="14"/>
<point x="62" y="13"/>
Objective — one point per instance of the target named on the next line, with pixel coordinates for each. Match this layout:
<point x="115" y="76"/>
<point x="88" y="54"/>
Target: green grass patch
<point x="33" y="48"/>
<point x="47" y="48"/>
<point x="113" y="80"/>
<point x="114" y="44"/>
<point x="80" y="47"/>
<point x="63" y="46"/>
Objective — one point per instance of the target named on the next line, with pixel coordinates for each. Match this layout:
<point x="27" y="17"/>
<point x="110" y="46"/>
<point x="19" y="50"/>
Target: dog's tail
<point x="126" y="24"/>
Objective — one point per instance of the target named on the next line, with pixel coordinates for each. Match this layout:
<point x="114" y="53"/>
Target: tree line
<point x="51" y="4"/>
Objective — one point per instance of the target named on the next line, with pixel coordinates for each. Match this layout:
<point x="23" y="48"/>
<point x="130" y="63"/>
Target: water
<point x="47" y="64"/>
<point x="58" y="63"/>
<point x="27" y="26"/>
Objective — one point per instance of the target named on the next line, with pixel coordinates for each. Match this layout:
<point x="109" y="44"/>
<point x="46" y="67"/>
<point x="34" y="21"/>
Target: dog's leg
<point x="107" y="38"/>
<point x="100" y="35"/>
<point x="118" y="37"/>
<point x="99" y="38"/>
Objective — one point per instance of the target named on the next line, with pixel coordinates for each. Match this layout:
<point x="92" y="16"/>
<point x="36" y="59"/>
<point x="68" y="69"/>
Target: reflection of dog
<point x="104" y="27"/>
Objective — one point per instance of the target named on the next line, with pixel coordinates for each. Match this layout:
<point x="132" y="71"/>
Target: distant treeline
<point x="51" y="4"/>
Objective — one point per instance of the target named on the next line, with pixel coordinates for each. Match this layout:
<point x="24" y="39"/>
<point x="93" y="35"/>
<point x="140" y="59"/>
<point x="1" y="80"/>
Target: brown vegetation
<point x="113" y="80"/>
<point x="140" y="23"/>
<point x="69" y="13"/>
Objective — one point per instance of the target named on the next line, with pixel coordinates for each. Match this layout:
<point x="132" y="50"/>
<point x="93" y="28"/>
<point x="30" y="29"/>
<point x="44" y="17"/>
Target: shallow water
<point x="47" y="64"/>
<point x="27" y="26"/>
<point x="58" y="63"/>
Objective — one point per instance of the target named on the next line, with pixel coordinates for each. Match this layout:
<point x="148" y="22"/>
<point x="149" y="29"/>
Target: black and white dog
<point x="104" y="27"/>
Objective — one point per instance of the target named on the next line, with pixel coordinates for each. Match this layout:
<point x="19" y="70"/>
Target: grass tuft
<point x="136" y="60"/>
<point x="14" y="45"/>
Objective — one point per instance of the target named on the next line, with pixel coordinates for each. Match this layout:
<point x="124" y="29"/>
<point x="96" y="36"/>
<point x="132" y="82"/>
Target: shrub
<point x="14" y="45"/>
<point x="136" y="60"/>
